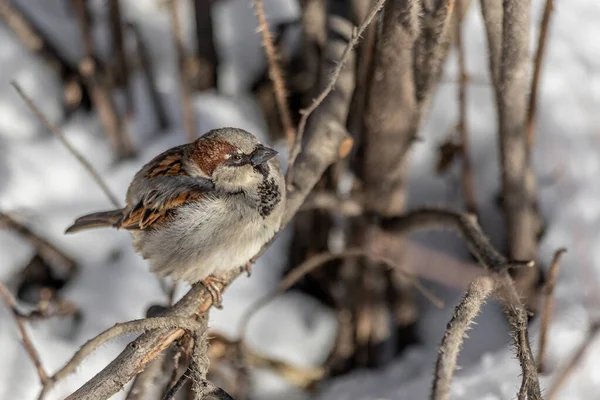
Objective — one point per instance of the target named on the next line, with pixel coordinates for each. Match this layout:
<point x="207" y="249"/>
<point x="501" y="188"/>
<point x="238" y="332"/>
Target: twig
<point x="517" y="318"/>
<point x="146" y="64"/>
<point x="332" y="82"/>
<point x="332" y="203"/>
<point x="537" y="67"/>
<point x="547" y="313"/>
<point x="142" y="383"/>
<point x="491" y="11"/>
<point x="320" y="260"/>
<point x="468" y="185"/>
<point x="54" y="129"/>
<point x="172" y="392"/>
<point x="275" y="73"/>
<point x="466" y="224"/>
<point x="11" y="303"/>
<point x="46" y="250"/>
<point x="189" y="118"/>
<point x="463" y="317"/>
<point x="574" y="362"/>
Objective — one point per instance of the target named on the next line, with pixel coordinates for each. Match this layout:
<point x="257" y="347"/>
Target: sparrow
<point x="201" y="209"/>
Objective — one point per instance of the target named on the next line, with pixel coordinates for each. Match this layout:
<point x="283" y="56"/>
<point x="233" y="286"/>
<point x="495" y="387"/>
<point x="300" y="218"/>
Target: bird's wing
<point x="162" y="185"/>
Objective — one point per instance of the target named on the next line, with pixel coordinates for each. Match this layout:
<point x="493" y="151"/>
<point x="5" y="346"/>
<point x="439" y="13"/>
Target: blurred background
<point x="437" y="118"/>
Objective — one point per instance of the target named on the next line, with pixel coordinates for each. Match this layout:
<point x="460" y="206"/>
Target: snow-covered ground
<point x="43" y="184"/>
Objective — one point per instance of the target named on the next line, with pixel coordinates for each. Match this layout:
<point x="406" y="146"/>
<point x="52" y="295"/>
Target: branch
<point x="206" y="53"/>
<point x="341" y="63"/>
<point x="431" y="52"/>
<point x="189" y="117"/>
<point x="463" y="130"/>
<point x="12" y="305"/>
<point x="547" y="313"/>
<point x="119" y="329"/>
<point x="320" y="260"/>
<point x="46" y="250"/>
<point x="118" y="46"/>
<point x="463" y="317"/>
<point x="477" y="241"/>
<point x="144" y="57"/>
<point x="275" y="73"/>
<point x="492" y="12"/>
<point x="200" y="362"/>
<point x="517" y="318"/>
<point x="54" y="129"/>
<point x="537" y="67"/>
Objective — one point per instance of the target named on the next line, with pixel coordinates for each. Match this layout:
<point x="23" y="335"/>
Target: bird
<point x="199" y="210"/>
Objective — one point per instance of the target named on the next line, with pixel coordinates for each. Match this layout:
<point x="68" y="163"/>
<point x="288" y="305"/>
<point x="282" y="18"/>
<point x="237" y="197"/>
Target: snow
<point x="42" y="184"/>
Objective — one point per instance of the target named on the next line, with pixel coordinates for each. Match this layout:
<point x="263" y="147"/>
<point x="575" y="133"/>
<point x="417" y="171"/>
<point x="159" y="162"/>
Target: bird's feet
<point x="249" y="268"/>
<point x="211" y="283"/>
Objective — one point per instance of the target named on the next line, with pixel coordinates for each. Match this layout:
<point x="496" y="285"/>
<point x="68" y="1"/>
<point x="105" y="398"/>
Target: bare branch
<point x="463" y="130"/>
<point x="548" y="302"/>
<point x="54" y="129"/>
<point x="189" y="118"/>
<point x="477" y="241"/>
<point x="341" y="63"/>
<point x="12" y="305"/>
<point x="200" y="362"/>
<point x="206" y="54"/>
<point x="517" y="317"/>
<point x="431" y="52"/>
<point x="537" y="67"/>
<point x="146" y="64"/>
<point x="492" y="12"/>
<point x="320" y="260"/>
<point x="46" y="250"/>
<point x="275" y="73"/>
<point x="463" y="317"/>
<point x="118" y="46"/>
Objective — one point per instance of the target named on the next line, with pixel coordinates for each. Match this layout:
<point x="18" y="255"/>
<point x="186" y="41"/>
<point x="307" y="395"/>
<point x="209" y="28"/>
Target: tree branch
<point x="464" y="314"/>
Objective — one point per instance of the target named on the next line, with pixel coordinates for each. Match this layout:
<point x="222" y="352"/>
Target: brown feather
<point x="96" y="220"/>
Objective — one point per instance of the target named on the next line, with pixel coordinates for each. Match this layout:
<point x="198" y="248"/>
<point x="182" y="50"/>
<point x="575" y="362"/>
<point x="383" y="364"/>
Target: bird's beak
<point x="261" y="155"/>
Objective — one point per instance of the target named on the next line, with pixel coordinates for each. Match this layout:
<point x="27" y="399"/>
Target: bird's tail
<point x="96" y="220"/>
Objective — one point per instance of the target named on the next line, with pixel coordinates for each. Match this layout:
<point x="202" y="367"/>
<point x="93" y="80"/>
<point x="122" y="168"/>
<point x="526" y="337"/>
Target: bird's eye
<point x="236" y="157"/>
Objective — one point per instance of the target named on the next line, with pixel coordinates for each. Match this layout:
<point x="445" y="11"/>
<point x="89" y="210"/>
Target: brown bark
<point x="518" y="181"/>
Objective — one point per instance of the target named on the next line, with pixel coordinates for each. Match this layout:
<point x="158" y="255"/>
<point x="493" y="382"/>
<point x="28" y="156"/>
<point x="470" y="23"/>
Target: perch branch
<point x="186" y="97"/>
<point x="463" y="317"/>
<point x="54" y="129"/>
<point x="548" y="302"/>
<point x="537" y="67"/>
<point x="119" y="329"/>
<point x="275" y="73"/>
<point x="324" y="138"/>
<point x="356" y="34"/>
<point x="12" y="305"/>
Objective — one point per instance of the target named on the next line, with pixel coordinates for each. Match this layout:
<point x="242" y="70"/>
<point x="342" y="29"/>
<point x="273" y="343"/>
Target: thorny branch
<point x="275" y="73"/>
<point x="464" y="315"/>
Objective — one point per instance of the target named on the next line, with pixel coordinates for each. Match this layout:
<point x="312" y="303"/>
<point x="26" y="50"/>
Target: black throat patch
<point x="269" y="195"/>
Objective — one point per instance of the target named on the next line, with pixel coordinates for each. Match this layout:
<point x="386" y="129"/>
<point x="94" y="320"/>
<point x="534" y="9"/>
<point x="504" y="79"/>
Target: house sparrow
<point x="202" y="208"/>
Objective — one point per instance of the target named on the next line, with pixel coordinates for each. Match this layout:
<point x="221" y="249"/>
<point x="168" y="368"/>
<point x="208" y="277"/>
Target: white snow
<point x="43" y="184"/>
